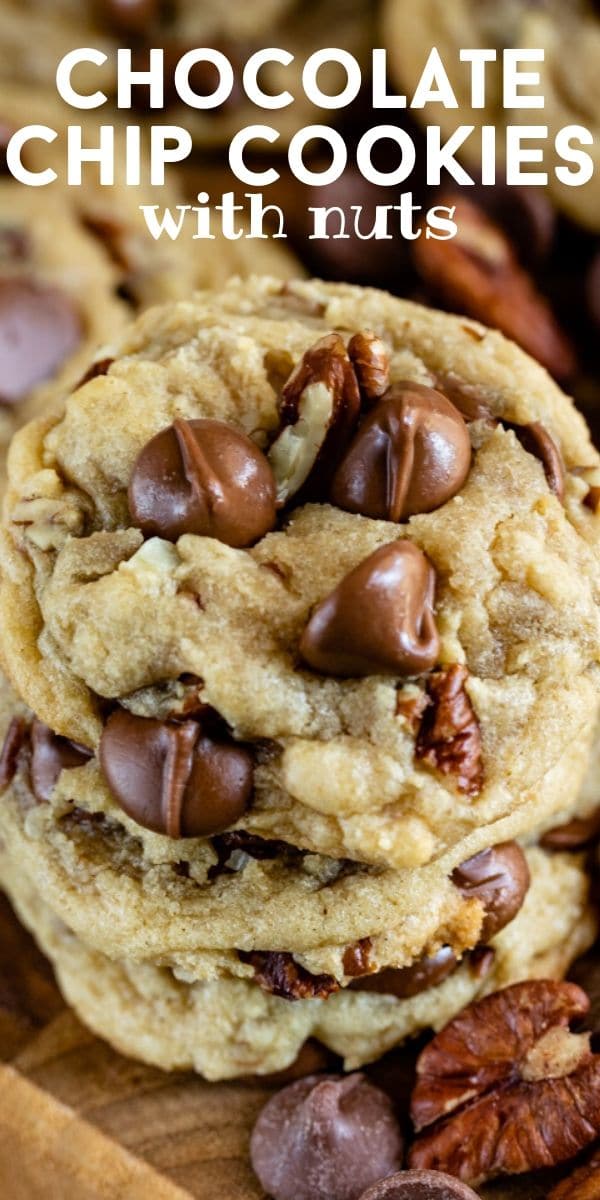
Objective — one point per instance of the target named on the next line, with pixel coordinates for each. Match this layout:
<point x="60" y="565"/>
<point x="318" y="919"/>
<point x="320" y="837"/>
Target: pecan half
<point x="450" y="738"/>
<point x="276" y="972"/>
<point x="371" y="361"/>
<point x="318" y="411"/>
<point x="583" y="1184"/>
<point x="478" y="273"/>
<point x="506" y="1086"/>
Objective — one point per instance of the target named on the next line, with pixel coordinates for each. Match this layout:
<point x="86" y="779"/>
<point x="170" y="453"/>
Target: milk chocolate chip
<point x="499" y="877"/>
<point x="536" y="440"/>
<point x="51" y="754"/>
<point x="420" y="1185"/>
<point x="203" y="477"/>
<point x="411" y="454"/>
<point x="325" y="1138"/>
<point x="172" y="777"/>
<point x="409" y="981"/>
<point x="39" y="329"/>
<point x="378" y="620"/>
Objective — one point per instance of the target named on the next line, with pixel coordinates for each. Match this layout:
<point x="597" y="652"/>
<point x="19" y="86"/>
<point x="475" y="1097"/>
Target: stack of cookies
<point x="300" y="611"/>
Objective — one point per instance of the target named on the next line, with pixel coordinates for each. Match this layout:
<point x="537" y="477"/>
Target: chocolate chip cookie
<point x="321" y="557"/>
<point x="76" y="263"/>
<point x="230" y="1027"/>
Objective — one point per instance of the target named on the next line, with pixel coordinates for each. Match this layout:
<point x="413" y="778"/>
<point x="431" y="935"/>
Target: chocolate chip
<point x="203" y="477"/>
<point x="325" y="1139"/>
<point x="378" y="620"/>
<point x="39" y="329"/>
<point x="574" y="835"/>
<point x="420" y="1185"/>
<point x="173" y="777"/>
<point x="411" y="454"/>
<point x="278" y="973"/>
<point x="52" y="754"/>
<point x="404" y="982"/>
<point x="499" y="878"/>
<point x="450" y="738"/>
<point x="536" y="440"/>
<point x="16" y="736"/>
<point x="466" y="397"/>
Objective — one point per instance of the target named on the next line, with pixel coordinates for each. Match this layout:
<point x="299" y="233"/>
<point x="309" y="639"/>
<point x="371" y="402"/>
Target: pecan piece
<point x="357" y="958"/>
<point x="232" y="849"/>
<point x="506" y="1086"/>
<point x="583" y="1184"/>
<point x="369" y="356"/>
<point x="318" y="411"/>
<point x="450" y="738"/>
<point x="16" y="736"/>
<point x="478" y="273"/>
<point x="277" y="972"/>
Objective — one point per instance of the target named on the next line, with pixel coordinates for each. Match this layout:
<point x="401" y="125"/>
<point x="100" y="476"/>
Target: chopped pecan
<point x="277" y="973"/>
<point x="318" y="411"/>
<point x="506" y="1086"/>
<point x="450" y="738"/>
<point x="47" y="522"/>
<point x="583" y="1184"/>
<point x="370" y="357"/>
<point x="100" y="367"/>
<point x="229" y="846"/>
<point x="16" y="736"/>
<point x="478" y="273"/>
<point x="411" y="705"/>
<point x="357" y="958"/>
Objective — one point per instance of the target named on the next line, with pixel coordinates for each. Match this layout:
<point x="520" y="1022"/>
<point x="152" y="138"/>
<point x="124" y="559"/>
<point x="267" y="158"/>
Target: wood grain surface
<point x="80" y="1122"/>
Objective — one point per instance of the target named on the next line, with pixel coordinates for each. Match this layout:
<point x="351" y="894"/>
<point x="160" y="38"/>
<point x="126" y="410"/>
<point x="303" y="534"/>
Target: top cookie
<point x="265" y="521"/>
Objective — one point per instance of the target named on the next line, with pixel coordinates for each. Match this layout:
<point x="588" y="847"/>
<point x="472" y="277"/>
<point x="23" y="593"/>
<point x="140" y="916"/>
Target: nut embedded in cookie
<point x="318" y="411"/>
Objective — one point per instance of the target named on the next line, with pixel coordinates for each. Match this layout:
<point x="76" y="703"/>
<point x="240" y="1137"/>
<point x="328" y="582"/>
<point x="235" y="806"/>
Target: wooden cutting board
<point x="80" y="1122"/>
